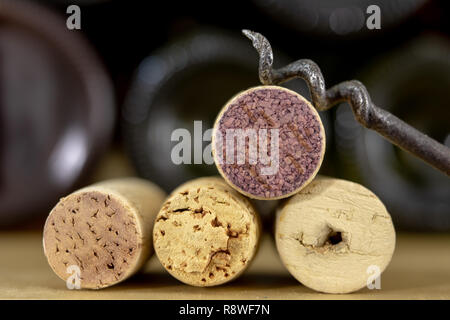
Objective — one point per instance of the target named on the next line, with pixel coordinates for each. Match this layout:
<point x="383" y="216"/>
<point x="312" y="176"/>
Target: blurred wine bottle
<point x="413" y="84"/>
<point x="336" y="17"/>
<point x="188" y="80"/>
<point x="56" y="109"/>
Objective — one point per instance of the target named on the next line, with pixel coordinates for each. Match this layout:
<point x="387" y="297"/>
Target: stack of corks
<point x="329" y="232"/>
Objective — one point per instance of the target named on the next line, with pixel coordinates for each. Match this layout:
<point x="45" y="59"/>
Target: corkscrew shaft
<point x="355" y="93"/>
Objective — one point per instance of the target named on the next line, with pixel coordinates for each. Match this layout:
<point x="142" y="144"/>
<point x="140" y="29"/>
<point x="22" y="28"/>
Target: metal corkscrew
<point x="355" y="93"/>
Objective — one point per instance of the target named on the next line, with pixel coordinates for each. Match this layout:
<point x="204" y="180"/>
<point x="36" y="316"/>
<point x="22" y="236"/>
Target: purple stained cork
<point x="276" y="112"/>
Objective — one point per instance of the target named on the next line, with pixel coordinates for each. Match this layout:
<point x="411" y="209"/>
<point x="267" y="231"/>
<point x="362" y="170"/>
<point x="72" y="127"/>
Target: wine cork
<point x="104" y="229"/>
<point x="333" y="235"/>
<point x="268" y="142"/>
<point x="206" y="233"/>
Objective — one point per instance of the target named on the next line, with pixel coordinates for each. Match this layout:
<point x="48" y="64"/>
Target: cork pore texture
<point x="206" y="233"/>
<point x="332" y="233"/>
<point x="95" y="231"/>
<point x="301" y="141"/>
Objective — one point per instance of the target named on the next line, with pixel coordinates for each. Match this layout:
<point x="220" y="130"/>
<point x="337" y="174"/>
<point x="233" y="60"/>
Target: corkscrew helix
<point x="355" y="93"/>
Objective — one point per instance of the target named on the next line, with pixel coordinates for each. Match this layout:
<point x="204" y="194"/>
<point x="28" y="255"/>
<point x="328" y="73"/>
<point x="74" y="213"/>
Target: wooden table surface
<point x="420" y="269"/>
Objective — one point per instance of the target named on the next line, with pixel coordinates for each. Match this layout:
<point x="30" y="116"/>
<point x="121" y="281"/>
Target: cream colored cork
<point x="333" y="235"/>
<point x="104" y="229"/>
<point x="206" y="233"/>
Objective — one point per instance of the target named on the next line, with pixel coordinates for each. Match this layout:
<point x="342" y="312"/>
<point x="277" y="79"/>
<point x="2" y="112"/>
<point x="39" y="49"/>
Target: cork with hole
<point x="206" y="233"/>
<point x="333" y="235"/>
<point x="268" y="142"/>
<point x="104" y="229"/>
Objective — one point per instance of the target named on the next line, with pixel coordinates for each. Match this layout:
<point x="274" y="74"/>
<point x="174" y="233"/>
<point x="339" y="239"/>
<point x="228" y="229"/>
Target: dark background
<point x="405" y="65"/>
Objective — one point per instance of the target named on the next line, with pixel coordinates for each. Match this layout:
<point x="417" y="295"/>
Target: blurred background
<point x="78" y="106"/>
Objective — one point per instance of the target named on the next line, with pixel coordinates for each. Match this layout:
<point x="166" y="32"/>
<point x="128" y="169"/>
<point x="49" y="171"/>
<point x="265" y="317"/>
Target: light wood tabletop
<point x="420" y="269"/>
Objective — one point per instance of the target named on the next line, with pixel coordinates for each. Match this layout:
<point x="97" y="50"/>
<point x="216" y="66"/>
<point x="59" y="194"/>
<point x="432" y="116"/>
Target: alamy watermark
<point x="241" y="146"/>
<point x="73" y="282"/>
<point x="73" y="22"/>
<point x="374" y="19"/>
<point x="374" y="279"/>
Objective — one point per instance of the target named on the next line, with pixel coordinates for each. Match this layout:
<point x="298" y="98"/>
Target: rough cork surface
<point x="301" y="141"/>
<point x="331" y="232"/>
<point x="104" y="229"/>
<point x="206" y="233"/>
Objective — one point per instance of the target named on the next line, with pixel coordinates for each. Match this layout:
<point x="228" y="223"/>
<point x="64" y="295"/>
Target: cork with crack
<point x="206" y="233"/>
<point x="104" y="229"/>
<point x="331" y="234"/>
<point x="281" y="115"/>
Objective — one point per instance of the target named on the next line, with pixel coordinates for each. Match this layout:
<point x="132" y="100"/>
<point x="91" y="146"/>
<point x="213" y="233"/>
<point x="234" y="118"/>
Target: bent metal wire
<point x="355" y="93"/>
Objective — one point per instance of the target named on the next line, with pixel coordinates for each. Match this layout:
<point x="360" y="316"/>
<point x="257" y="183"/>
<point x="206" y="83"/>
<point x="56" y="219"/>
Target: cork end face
<point x="335" y="236"/>
<point x="269" y="142"/>
<point x="205" y="235"/>
<point x="92" y="232"/>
